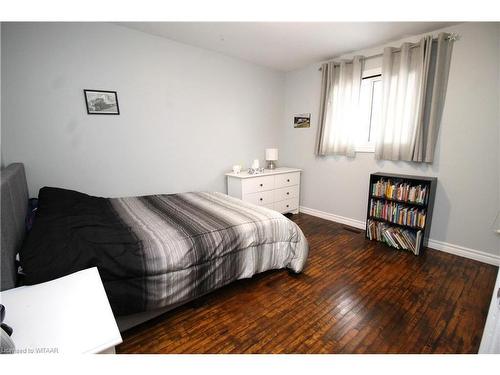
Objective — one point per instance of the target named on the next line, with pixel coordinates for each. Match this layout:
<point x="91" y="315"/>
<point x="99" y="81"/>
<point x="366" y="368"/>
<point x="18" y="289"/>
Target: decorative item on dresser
<point x="271" y="157"/>
<point x="236" y="168"/>
<point x="278" y="189"/>
<point x="255" y="168"/>
<point x="399" y="210"/>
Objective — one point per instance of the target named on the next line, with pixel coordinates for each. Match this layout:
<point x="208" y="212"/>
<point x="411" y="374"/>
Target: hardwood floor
<point x="354" y="296"/>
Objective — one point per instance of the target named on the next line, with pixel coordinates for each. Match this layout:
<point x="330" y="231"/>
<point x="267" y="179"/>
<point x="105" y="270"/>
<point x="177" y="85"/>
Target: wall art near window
<point x="302" y="121"/>
<point x="100" y="102"/>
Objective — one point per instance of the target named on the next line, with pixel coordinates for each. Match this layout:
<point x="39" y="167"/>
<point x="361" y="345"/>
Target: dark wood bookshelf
<point x="427" y="206"/>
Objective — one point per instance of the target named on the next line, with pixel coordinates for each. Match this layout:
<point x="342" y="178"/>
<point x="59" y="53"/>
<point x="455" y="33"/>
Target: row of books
<point x="400" y="191"/>
<point x="397" y="213"/>
<point x="398" y="238"/>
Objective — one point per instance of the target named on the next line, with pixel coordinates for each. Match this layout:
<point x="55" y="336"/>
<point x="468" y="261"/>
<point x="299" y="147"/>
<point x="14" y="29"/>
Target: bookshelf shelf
<point x="398" y="201"/>
<point x="395" y="224"/>
<point x="399" y="210"/>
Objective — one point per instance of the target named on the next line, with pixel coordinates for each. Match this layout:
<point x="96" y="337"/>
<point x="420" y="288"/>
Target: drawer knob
<point x="261" y="185"/>
<point x="287" y="193"/>
<point x="287" y="180"/>
<point x="287" y="206"/>
<point x="260" y="199"/>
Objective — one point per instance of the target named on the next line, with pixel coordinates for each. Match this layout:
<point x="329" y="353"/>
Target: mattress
<point x="158" y="250"/>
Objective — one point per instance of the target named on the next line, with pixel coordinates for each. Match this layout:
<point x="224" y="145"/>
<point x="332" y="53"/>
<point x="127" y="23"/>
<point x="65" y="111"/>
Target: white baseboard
<point x="462" y="251"/>
<point x="338" y="219"/>
<point x="465" y="252"/>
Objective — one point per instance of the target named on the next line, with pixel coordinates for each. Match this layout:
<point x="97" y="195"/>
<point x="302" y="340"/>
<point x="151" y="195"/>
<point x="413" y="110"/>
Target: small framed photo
<point x="100" y="102"/>
<point x="302" y="121"/>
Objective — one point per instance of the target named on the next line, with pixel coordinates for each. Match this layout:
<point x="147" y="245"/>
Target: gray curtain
<point x="435" y="95"/>
<point x="339" y="114"/>
<point x="326" y="86"/>
<point x="414" y="80"/>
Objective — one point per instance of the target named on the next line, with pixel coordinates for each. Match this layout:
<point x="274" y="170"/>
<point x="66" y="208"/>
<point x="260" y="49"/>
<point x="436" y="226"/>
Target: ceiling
<point x="284" y="46"/>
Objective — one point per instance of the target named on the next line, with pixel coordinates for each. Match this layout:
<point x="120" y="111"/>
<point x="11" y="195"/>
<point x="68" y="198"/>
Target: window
<point x="370" y="106"/>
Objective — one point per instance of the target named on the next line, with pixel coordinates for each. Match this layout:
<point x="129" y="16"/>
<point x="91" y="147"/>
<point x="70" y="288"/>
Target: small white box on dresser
<point x="278" y="189"/>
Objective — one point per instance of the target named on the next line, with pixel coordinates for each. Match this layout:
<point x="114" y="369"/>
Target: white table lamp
<point x="271" y="157"/>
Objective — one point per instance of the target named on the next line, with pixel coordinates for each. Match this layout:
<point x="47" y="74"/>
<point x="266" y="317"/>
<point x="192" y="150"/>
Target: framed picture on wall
<point x="302" y="121"/>
<point x="100" y="102"/>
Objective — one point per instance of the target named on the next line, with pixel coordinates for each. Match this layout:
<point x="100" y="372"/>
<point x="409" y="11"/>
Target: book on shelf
<point x="400" y="191"/>
<point x="398" y="213"/>
<point x="399" y="238"/>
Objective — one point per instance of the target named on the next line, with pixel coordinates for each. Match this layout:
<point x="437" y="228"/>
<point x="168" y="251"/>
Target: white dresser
<point x="278" y="189"/>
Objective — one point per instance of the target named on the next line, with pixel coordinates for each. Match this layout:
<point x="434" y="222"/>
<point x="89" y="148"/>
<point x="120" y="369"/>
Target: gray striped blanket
<point x="161" y="250"/>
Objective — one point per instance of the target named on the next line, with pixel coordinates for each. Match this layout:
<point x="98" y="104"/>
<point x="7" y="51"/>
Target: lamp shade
<point x="271" y="154"/>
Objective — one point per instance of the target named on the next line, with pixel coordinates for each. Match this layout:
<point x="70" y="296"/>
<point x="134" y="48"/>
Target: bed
<point x="153" y="252"/>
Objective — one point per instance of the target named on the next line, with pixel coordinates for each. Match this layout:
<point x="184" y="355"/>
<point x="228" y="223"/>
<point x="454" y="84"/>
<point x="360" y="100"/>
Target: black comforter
<point x="75" y="231"/>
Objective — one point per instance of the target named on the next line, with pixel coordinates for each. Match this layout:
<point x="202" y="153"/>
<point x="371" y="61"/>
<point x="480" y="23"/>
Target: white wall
<point x="467" y="155"/>
<point x="187" y="114"/>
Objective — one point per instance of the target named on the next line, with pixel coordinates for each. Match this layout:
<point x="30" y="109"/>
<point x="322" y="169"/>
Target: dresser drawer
<point x="262" y="198"/>
<point x="286" y="193"/>
<point x="287" y="205"/>
<point x="255" y="184"/>
<point x="287" y="179"/>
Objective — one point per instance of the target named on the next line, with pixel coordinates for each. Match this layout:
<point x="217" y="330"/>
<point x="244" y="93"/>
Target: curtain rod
<point x="453" y="37"/>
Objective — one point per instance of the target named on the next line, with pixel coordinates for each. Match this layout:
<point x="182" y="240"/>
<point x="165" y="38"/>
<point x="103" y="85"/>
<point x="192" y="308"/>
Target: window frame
<point x="369" y="146"/>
